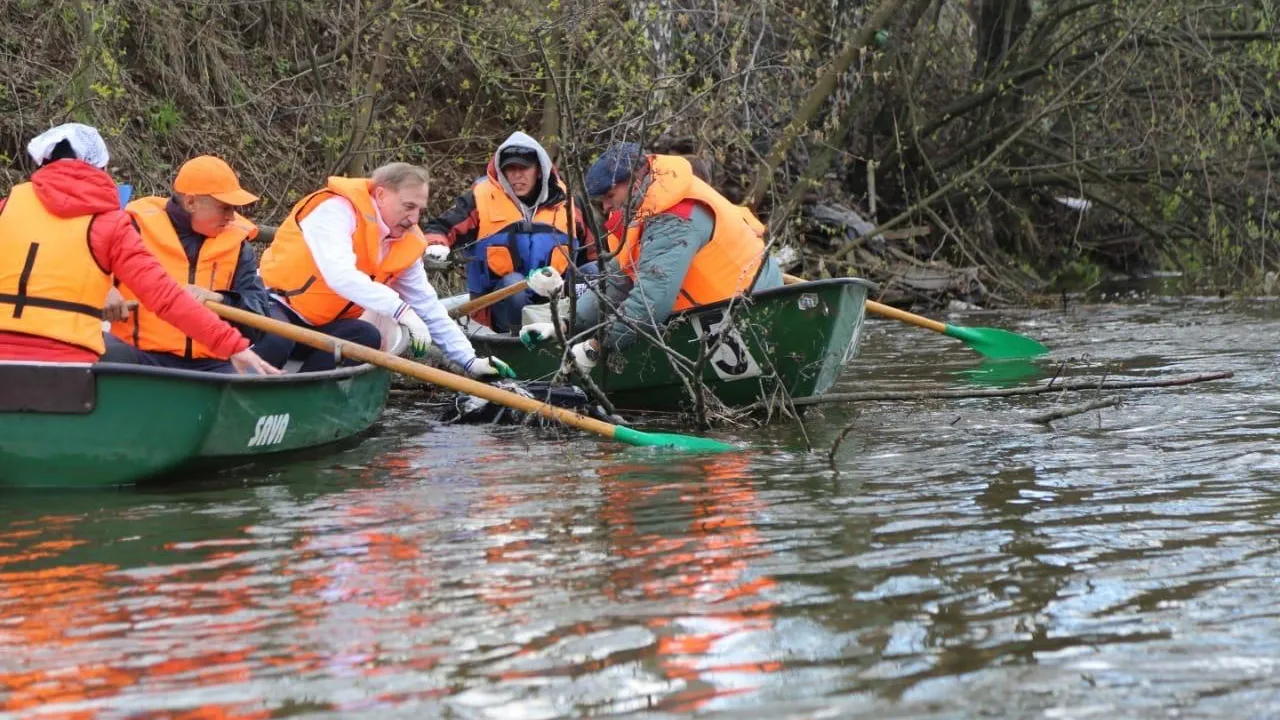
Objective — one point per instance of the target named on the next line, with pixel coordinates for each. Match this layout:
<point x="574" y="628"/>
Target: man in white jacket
<point x="353" y="246"/>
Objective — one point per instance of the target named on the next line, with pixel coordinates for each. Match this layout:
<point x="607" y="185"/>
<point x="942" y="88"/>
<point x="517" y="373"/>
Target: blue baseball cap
<point x="615" y="165"/>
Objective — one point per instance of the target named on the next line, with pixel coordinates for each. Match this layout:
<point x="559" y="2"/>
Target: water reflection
<point x="960" y="564"/>
<point x="693" y="545"/>
<point x="1006" y="373"/>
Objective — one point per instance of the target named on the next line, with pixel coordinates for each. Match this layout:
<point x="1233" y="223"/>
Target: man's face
<point x="615" y="198"/>
<point x="400" y="209"/>
<point x="209" y="216"/>
<point x="522" y="178"/>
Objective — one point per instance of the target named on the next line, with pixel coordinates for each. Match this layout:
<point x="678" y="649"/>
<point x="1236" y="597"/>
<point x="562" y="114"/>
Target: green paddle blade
<point x="670" y="440"/>
<point x="996" y="343"/>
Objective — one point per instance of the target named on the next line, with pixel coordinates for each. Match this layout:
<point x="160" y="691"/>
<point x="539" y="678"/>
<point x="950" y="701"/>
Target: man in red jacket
<point x="53" y="283"/>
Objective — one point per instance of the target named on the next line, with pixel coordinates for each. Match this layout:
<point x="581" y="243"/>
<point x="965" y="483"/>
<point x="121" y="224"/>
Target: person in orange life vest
<point x="202" y="241"/>
<point x="353" y="246"/>
<point x="64" y="237"/>
<point x="686" y="246"/>
<point x="513" y="221"/>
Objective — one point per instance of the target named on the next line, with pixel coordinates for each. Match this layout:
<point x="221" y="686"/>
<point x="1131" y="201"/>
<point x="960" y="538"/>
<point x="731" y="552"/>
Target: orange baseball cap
<point x="208" y="175"/>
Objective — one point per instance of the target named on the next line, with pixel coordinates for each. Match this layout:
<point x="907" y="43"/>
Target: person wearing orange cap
<point x="201" y="241"/>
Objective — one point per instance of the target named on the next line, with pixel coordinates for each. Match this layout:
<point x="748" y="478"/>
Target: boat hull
<point x="791" y="341"/>
<point x="128" y="424"/>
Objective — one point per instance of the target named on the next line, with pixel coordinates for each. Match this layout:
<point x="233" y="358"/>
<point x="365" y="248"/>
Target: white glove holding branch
<point x="585" y="355"/>
<point x="488" y="367"/>
<point x="419" y="335"/>
<point x="436" y="256"/>
<point x="545" y="281"/>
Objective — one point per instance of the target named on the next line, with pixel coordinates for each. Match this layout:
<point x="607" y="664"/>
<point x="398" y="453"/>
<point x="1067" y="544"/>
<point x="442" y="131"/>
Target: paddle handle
<point x="412" y="369"/>
<point x="485" y="301"/>
<point x="887" y="311"/>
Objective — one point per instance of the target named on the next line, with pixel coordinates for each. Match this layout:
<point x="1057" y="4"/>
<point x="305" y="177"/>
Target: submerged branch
<point x="1070" y="410"/>
<point x="1069" y="386"/>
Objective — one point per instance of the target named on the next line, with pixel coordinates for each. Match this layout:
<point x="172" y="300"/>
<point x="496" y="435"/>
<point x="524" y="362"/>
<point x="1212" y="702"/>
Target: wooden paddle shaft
<point x="485" y="301"/>
<point x="887" y="311"/>
<point x="412" y="369"/>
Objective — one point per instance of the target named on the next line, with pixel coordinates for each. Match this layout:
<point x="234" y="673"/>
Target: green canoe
<point x="795" y="338"/>
<point x="109" y="424"/>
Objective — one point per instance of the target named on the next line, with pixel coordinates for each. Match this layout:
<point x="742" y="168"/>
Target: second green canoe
<point x="794" y="339"/>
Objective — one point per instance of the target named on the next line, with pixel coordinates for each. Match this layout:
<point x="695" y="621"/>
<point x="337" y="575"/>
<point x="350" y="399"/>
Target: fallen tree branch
<point x="1069" y="386"/>
<point x="1070" y="410"/>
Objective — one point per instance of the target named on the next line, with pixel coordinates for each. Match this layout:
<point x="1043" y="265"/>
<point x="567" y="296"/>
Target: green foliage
<point x="165" y="118"/>
<point x="1152" y="108"/>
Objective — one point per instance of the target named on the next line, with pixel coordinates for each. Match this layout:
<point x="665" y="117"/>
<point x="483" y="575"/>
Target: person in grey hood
<point x="512" y="221"/>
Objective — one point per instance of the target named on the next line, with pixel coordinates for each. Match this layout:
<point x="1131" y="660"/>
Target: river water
<point x="953" y="560"/>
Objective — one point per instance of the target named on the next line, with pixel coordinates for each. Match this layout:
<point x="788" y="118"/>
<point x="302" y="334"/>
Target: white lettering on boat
<point x="269" y="430"/>
<point x="731" y="359"/>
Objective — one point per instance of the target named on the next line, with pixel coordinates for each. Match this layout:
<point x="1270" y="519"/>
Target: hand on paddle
<point x="116" y="308"/>
<point x="545" y="281"/>
<point x="247" y="362"/>
<point x="203" y="295"/>
<point x="489" y="368"/>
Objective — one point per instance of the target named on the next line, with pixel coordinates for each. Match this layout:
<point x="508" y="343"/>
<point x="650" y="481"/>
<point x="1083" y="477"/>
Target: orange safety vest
<point x="215" y="268"/>
<point x="727" y="265"/>
<point x="50" y="284"/>
<point x="752" y="221"/>
<point x="498" y="212"/>
<point x="289" y="271"/>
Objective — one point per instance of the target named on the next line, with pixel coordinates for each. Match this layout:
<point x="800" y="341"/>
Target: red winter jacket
<point x="70" y="188"/>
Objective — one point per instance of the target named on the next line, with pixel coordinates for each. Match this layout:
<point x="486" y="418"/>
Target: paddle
<point x="485" y="301"/>
<point x="991" y="342"/>
<point x="458" y="383"/>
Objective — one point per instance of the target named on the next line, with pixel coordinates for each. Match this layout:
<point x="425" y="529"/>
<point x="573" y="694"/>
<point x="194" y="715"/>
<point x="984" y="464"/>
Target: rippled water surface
<point x="952" y="560"/>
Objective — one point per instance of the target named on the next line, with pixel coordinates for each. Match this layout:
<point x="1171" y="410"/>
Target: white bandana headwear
<point x="85" y="141"/>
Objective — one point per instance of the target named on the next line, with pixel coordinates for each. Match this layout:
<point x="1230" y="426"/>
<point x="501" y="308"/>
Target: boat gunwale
<point x="204" y="376"/>
<point x="780" y="291"/>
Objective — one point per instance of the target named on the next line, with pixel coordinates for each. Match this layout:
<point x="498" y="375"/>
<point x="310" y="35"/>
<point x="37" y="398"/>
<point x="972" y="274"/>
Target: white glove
<point x="488" y="367"/>
<point x="545" y="281"/>
<point x="585" y="355"/>
<point x="436" y="256"/>
<point x="419" y="335"/>
<point x="534" y="333"/>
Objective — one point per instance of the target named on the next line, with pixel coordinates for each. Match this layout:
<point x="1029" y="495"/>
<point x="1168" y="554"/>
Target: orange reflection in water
<point x="79" y="634"/>
<point x="707" y="566"/>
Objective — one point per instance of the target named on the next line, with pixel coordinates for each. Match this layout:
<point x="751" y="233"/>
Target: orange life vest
<point x="215" y="268"/>
<point x="289" y="271"/>
<point x="50" y="284"/>
<point x="726" y="266"/>
<point x="497" y="212"/>
<point x="752" y="221"/>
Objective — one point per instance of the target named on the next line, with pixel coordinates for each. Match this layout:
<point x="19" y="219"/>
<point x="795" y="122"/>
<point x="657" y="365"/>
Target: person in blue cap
<point x="514" y="220"/>
<point x="677" y="244"/>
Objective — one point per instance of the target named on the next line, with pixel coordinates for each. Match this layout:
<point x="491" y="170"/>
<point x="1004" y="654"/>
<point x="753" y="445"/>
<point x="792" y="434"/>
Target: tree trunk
<point x="999" y="25"/>
<point x="357" y="165"/>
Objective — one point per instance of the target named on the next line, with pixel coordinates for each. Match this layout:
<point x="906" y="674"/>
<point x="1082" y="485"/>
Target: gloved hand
<point x="545" y="281"/>
<point x="436" y="256"/>
<point x="419" y="335"/>
<point x="534" y="333"/>
<point x="585" y="355"/>
<point x="480" y="367"/>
